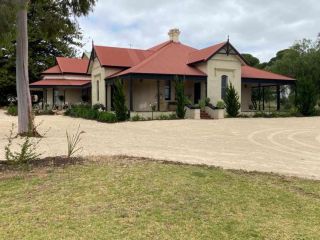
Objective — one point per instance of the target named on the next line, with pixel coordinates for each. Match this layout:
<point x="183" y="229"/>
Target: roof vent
<point x="174" y="34"/>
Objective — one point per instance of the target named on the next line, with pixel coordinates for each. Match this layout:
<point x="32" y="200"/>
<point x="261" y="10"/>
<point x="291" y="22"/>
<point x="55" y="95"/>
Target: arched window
<point x="224" y="85"/>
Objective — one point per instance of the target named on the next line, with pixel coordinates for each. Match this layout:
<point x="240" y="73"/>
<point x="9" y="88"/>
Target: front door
<point x="197" y="92"/>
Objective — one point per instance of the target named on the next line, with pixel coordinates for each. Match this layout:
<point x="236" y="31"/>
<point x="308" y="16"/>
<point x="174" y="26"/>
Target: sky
<point x="259" y="27"/>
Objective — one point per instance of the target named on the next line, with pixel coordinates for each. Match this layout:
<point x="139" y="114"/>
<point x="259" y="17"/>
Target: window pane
<point x="224" y="85"/>
<point x="167" y="90"/>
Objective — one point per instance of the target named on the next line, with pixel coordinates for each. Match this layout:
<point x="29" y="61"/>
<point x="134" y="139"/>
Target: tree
<point x="180" y="97"/>
<point x="231" y="101"/>
<point x="251" y="60"/>
<point x="307" y="96"/>
<point x="119" y="101"/>
<point x="19" y="8"/>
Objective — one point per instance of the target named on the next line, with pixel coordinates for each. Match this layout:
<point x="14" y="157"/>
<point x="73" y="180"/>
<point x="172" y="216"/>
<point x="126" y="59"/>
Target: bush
<point x="181" y="99"/>
<point x="231" y="100"/>
<point x="220" y="105"/>
<point x="202" y="104"/>
<point x="12" y="110"/>
<point x="137" y="117"/>
<point x="119" y="101"/>
<point x="27" y="152"/>
<point x="82" y="111"/>
<point x="98" y="106"/>
<point x="107" y="117"/>
<point x="307" y="97"/>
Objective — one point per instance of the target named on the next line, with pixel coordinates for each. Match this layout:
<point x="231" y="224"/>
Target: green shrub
<point x="12" y="110"/>
<point x="231" y="100"/>
<point x="98" y="106"/>
<point x="220" y="105"/>
<point x="307" y="96"/>
<point x="82" y="111"/>
<point x="107" y="117"/>
<point x="119" y="101"/>
<point x="27" y="150"/>
<point x="137" y="117"/>
<point x="202" y="104"/>
<point x="181" y="99"/>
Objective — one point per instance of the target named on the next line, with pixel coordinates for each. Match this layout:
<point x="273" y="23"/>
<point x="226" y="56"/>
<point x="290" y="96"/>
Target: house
<point x="65" y="83"/>
<point x="149" y="76"/>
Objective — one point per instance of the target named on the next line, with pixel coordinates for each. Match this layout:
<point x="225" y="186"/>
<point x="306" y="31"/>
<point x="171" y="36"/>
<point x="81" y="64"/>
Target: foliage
<point x="307" y="96"/>
<point x="119" y="101"/>
<point x="87" y="112"/>
<point x="98" y="106"/>
<point x="171" y="116"/>
<point x="12" y="110"/>
<point x="251" y="60"/>
<point x="52" y="31"/>
<point x="107" y="117"/>
<point x="220" y="105"/>
<point x="202" y="104"/>
<point x="73" y="142"/>
<point x="27" y="153"/>
<point x="231" y="101"/>
<point x="137" y="117"/>
<point x="180" y="97"/>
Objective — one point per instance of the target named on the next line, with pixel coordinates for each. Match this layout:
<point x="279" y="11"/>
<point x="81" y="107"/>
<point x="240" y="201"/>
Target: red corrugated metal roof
<point x="54" y="69"/>
<point x="204" y="54"/>
<point x="120" y="57"/>
<point x="60" y="82"/>
<point x="169" y="59"/>
<point x="73" y="65"/>
<point x="251" y="72"/>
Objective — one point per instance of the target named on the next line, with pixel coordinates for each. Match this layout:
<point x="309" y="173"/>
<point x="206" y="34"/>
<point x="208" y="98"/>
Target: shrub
<point x="119" y="101"/>
<point x="137" y="117"/>
<point x="27" y="151"/>
<point x="202" y="104"/>
<point x="107" y="117"/>
<point x="220" y="105"/>
<point x="307" y="97"/>
<point x="231" y="100"/>
<point x="82" y="111"/>
<point x="98" y="106"/>
<point x="12" y="110"/>
<point x="181" y="99"/>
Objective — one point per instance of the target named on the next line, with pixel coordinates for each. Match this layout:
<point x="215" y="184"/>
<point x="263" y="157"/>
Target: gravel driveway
<point x="288" y="146"/>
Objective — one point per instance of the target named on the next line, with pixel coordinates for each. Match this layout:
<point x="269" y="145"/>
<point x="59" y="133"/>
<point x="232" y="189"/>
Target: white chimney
<point x="174" y="34"/>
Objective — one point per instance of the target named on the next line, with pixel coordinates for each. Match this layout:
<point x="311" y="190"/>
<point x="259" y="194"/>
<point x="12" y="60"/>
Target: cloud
<point x="258" y="27"/>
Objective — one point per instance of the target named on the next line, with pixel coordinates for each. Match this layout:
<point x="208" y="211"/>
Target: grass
<point x="124" y="198"/>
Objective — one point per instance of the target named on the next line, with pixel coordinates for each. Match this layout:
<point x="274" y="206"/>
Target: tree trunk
<point x="25" y="115"/>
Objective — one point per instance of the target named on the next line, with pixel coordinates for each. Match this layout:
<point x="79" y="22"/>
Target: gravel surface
<point x="289" y="146"/>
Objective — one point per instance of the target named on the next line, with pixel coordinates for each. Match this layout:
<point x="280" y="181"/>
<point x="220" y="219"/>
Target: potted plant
<point x="218" y="112"/>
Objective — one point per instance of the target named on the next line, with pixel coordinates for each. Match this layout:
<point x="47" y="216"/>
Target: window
<point x="224" y="85"/>
<point x="98" y="86"/>
<point x="167" y="90"/>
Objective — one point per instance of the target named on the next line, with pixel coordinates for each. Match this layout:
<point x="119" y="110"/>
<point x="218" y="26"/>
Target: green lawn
<point x="125" y="199"/>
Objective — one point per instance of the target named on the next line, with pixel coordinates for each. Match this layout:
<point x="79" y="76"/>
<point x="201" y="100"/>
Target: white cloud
<point x="258" y="27"/>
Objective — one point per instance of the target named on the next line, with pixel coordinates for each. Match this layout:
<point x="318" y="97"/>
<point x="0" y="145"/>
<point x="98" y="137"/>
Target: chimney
<point x="174" y="34"/>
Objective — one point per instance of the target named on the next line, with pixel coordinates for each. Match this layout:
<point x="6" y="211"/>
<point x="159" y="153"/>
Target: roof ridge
<point x="156" y="53"/>
<point x="136" y="49"/>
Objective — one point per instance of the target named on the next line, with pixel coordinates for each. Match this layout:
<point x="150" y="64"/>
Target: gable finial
<point x="228" y="38"/>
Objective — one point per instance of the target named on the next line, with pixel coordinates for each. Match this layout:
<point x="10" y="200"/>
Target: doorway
<point x="197" y="92"/>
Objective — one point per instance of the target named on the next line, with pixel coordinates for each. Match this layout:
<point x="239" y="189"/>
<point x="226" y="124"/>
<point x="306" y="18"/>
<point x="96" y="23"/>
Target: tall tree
<point x="252" y="61"/>
<point x="20" y="8"/>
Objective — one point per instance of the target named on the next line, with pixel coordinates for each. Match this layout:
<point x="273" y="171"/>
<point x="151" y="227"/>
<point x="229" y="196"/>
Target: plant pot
<point x="218" y="113"/>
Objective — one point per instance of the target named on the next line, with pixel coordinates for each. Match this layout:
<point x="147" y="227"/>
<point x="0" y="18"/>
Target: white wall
<point x="218" y="66"/>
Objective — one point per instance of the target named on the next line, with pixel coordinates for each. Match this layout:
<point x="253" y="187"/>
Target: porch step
<point x="204" y="115"/>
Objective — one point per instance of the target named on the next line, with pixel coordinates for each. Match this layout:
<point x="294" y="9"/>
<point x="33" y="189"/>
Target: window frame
<point x="224" y="85"/>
